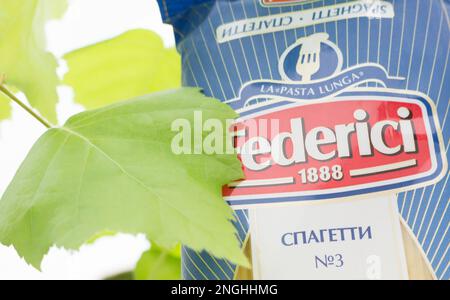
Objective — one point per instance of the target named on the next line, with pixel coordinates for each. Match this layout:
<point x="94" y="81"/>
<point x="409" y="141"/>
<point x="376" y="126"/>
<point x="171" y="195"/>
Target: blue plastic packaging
<point x="228" y="47"/>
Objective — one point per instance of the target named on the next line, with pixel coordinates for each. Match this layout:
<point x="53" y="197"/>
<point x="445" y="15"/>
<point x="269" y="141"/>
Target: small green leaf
<point x="5" y="107"/>
<point x="112" y="169"/>
<point x="23" y="56"/>
<point x="159" y="264"/>
<point x="130" y="65"/>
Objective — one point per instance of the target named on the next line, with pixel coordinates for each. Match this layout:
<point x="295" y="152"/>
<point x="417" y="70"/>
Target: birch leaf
<point x="23" y="55"/>
<point x="133" y="64"/>
<point x="112" y="169"/>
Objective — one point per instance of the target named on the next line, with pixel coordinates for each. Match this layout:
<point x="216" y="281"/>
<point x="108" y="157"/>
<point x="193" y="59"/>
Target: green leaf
<point x="5" y="107"/>
<point x="6" y="104"/>
<point x="23" y="56"/>
<point x="159" y="264"/>
<point x="112" y="169"/>
<point x="130" y="65"/>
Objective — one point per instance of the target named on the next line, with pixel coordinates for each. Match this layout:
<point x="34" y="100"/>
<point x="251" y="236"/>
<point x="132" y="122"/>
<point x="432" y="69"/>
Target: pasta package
<point x="343" y="133"/>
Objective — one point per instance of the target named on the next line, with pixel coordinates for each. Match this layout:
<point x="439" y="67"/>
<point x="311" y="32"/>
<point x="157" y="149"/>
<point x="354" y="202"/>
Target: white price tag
<point x="355" y="239"/>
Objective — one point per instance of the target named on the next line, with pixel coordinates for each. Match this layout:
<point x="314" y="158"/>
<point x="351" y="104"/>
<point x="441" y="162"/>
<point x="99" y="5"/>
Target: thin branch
<point x="10" y="95"/>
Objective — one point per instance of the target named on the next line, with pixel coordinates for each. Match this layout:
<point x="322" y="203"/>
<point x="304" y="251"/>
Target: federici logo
<point x="323" y="135"/>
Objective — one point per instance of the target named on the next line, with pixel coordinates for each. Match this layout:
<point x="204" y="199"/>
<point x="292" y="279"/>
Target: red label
<point x="337" y="146"/>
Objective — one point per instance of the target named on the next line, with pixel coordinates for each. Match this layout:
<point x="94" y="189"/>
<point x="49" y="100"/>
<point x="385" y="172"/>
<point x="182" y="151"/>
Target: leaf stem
<point x="10" y="95"/>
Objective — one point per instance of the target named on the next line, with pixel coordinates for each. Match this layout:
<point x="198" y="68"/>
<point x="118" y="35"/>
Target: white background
<point x="85" y="22"/>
